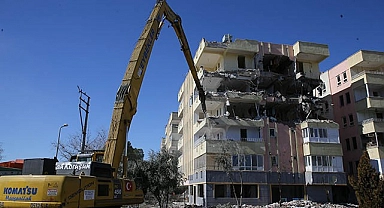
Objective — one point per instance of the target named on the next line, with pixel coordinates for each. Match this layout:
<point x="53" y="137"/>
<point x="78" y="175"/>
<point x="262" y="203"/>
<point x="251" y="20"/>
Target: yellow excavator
<point x="84" y="183"/>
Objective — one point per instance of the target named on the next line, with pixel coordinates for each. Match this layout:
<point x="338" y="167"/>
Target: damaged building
<point x="264" y="134"/>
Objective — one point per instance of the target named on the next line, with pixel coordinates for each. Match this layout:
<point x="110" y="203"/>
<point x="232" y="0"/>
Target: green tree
<point x="368" y="186"/>
<point x="137" y="167"/>
<point x="163" y="175"/>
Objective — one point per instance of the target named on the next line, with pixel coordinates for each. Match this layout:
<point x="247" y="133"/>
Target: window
<point x="249" y="191"/>
<point x="191" y="190"/>
<point x="323" y="133"/>
<point x="200" y="190"/>
<point x="241" y="62"/>
<point x="272" y="132"/>
<point x="348" y="97"/>
<point x="375" y="94"/>
<point x="338" y="80"/>
<point x="344" y="121"/>
<point x="345" y="77"/>
<point x="190" y="100"/>
<point x="341" y="100"/>
<point x="305" y="132"/>
<point x="274" y="160"/>
<point x="299" y="67"/>
<point x="348" y="144"/>
<point x="248" y="162"/>
<point x="243" y="134"/>
<point x="379" y="115"/>
<point x="220" y="191"/>
<point x="351" y="122"/>
<point x="354" y="142"/>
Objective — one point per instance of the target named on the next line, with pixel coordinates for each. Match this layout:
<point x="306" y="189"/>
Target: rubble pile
<point x="302" y="203"/>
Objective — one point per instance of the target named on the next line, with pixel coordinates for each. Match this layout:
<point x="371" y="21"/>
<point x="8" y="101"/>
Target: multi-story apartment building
<point x="263" y="119"/>
<point x="357" y="91"/>
<point x="172" y="137"/>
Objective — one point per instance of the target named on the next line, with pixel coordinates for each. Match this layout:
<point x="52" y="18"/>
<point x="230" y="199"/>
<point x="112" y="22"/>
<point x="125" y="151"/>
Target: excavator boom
<point x="127" y="94"/>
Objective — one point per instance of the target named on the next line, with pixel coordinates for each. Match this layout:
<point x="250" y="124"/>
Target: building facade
<point x="172" y="137"/>
<point x="263" y="132"/>
<point x="357" y="94"/>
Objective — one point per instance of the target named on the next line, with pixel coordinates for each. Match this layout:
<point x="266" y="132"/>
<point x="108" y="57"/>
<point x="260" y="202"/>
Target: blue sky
<point x="47" y="48"/>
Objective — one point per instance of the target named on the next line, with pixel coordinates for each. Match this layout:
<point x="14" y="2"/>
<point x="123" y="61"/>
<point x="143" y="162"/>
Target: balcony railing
<point x="372" y="120"/>
<point x="321" y="140"/>
<point x="366" y="72"/>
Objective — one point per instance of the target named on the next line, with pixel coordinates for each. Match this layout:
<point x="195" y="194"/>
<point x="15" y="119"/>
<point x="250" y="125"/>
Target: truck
<point x="89" y="182"/>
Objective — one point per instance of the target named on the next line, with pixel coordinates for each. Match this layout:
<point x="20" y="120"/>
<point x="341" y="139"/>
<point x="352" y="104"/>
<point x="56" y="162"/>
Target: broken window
<point x="241" y="62"/>
<point x="243" y="134"/>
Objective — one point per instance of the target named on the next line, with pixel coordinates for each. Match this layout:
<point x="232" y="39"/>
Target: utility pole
<point x="84" y="100"/>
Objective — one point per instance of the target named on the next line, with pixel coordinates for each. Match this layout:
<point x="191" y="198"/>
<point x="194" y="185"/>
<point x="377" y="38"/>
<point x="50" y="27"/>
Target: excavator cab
<point x="88" y="156"/>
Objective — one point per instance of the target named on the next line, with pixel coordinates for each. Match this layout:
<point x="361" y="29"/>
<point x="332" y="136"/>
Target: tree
<point x="72" y="145"/>
<point x="162" y="175"/>
<point x="368" y="186"/>
<point x="224" y="161"/>
<point x="136" y="167"/>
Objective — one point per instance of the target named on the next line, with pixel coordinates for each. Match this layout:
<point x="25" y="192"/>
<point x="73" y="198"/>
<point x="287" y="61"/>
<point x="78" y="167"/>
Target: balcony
<point x="203" y="146"/>
<point x="368" y="77"/>
<point x="180" y="94"/>
<point x="321" y="140"/>
<point x="180" y="110"/>
<point x="370" y="103"/>
<point x="373" y="125"/>
<point x="180" y="144"/>
<point x="180" y="127"/>
<point x="334" y="178"/>
<point x="312" y="52"/>
<point x="375" y="152"/>
<point x="334" y="149"/>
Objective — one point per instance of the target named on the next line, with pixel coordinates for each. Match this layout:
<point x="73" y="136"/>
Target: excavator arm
<point x="127" y="94"/>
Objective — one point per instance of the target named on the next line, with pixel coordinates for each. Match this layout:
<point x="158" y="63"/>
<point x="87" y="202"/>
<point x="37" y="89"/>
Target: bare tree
<point x="224" y="161"/>
<point x="72" y="145"/>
